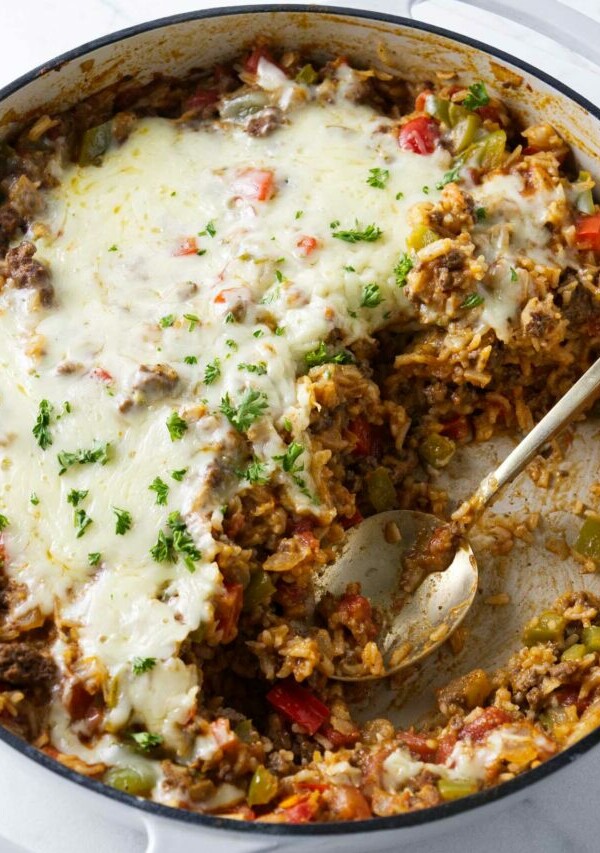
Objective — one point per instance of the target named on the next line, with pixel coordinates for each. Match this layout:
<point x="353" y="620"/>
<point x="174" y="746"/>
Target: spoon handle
<point x="574" y="401"/>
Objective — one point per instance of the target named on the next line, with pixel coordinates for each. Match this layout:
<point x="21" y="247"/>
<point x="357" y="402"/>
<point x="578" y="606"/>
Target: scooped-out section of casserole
<point x="239" y="313"/>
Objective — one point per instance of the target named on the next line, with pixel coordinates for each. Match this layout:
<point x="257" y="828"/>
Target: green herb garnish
<point x="179" y="474"/>
<point x="161" y="489"/>
<point x="147" y="740"/>
<point x="480" y="214"/>
<point x="449" y="177"/>
<point x="251" y="407"/>
<point x="255" y="473"/>
<point x="378" y="178"/>
<point x="4" y="522"/>
<point x="141" y="665"/>
<point x="124" y="521"/>
<point x="100" y="454"/>
<point x="477" y="97"/>
<point x="371" y="296"/>
<point x="82" y="521"/>
<point x="176" y="426"/>
<point x="33" y="498"/>
<point x="321" y="355"/>
<point x="193" y="321"/>
<point x="75" y="496"/>
<point x="260" y="369"/>
<point x="167" y="320"/>
<point x="472" y="300"/>
<point x="230" y="317"/>
<point x="212" y="371"/>
<point x="94" y="558"/>
<point x="41" y="429"/>
<point x="513" y="274"/>
<point x="190" y="359"/>
<point x="402" y="269"/>
<point x="369" y="234"/>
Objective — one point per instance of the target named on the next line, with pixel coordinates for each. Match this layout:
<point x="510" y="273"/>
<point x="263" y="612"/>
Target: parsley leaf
<point x="179" y="474"/>
<point x="255" y="473"/>
<point x="257" y="333"/>
<point x="369" y="234"/>
<point x="399" y="196"/>
<point x="190" y="359"/>
<point x="299" y="214"/>
<point x="4" y="522"/>
<point x="260" y="369"/>
<point x="113" y="248"/>
<point x="371" y="296"/>
<point x="167" y="320"/>
<point x="33" y="498"/>
<point x="279" y="331"/>
<point x="449" y="177"/>
<point x="94" y="558"/>
<point x="480" y="214"/>
<point x="82" y="521"/>
<point x="124" y="521"/>
<point x="230" y="317"/>
<point x="477" y="97"/>
<point x="212" y="371"/>
<point x="161" y="552"/>
<point x="168" y="548"/>
<point x="141" y="665"/>
<point x="472" y="300"/>
<point x="193" y="321"/>
<point x="402" y="269"/>
<point x="321" y="355"/>
<point x="378" y="178"/>
<point x="251" y="406"/>
<point x="513" y="274"/>
<point x="176" y="426"/>
<point x="162" y="490"/>
<point x="100" y="454"/>
<point x="40" y="430"/>
<point x="210" y="228"/>
<point x="75" y="496"/>
<point x="288" y="463"/>
<point x="147" y="740"/>
<point x="233" y="344"/>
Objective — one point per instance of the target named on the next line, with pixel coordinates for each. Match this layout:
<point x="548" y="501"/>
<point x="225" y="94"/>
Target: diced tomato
<point x="364" y="434"/>
<point x="355" y="608"/>
<point x="355" y="519"/>
<point x="312" y="786"/>
<point x="252" y="60"/>
<point x="101" y="374"/>
<point x="304" y="810"/>
<point x="445" y="746"/>
<point x="200" y="99"/>
<point x="303" y="529"/>
<point x="418" y="745"/>
<point x="299" y="705"/>
<point x="228" y="608"/>
<point x="482" y="725"/>
<point x="307" y="245"/>
<point x="420" y="100"/>
<point x="339" y="739"/>
<point x="254" y="184"/>
<point x="587" y="232"/>
<point x="458" y="429"/>
<point x="569" y="695"/>
<point x="489" y="112"/>
<point x="347" y="803"/>
<point x="419" y="135"/>
<point x="187" y="246"/>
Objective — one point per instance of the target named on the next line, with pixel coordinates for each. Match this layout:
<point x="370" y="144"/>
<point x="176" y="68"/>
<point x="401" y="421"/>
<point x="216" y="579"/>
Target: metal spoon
<point x="439" y="604"/>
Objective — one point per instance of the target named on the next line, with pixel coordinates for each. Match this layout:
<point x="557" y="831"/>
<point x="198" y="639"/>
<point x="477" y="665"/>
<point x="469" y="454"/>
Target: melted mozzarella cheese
<point x="114" y="240"/>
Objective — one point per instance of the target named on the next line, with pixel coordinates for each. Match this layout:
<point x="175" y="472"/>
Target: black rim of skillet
<point x="409" y="819"/>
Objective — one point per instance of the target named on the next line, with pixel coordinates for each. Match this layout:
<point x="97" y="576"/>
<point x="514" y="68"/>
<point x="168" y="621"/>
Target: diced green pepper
<point x="574" y="652"/>
<point x="588" y="541"/>
<point x="585" y="199"/>
<point x="437" y="107"/>
<point x="259" y="590"/>
<point x="263" y="787"/>
<point x="380" y="490"/>
<point x="420" y="237"/>
<point x="437" y="450"/>
<point x="453" y="789"/>
<point x="456" y="113"/>
<point x="94" y="143"/>
<point x="244" y="105"/>
<point x="245" y="731"/>
<point x="591" y="638"/>
<point x="131" y="780"/>
<point x="307" y="75"/>
<point x="463" y="133"/>
<point x="546" y="627"/>
<point x="487" y="152"/>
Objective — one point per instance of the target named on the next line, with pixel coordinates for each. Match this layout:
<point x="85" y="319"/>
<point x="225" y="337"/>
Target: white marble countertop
<point x="555" y="818"/>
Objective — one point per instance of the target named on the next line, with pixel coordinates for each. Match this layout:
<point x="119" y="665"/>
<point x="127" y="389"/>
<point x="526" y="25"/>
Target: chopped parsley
<point x="41" y="429"/>
<point x="212" y="371"/>
<point x="100" y="454"/>
<point x="260" y="369"/>
<point x="176" y="426"/>
<point x="371" y="296"/>
<point x="449" y="177"/>
<point x="167" y="320"/>
<point x="349" y="269"/>
<point x="279" y="331"/>
<point x="425" y="189"/>
<point x="258" y="333"/>
<point x="179" y="474"/>
<point x="94" y="558"/>
<point x="477" y="97"/>
<point x="230" y="317"/>
<point x="177" y="543"/>
<point x="75" y="496"/>
<point x="193" y="321"/>
<point x="33" y="498"/>
<point x="141" y="665"/>
<point x="82" y="521"/>
<point x="273" y="293"/>
<point x="402" y="269"/>
<point x="255" y="473"/>
<point x="287" y="424"/>
<point x="369" y="234"/>
<point x="334" y="224"/>
<point x="279" y="276"/>
<point x="288" y="463"/>
<point x="113" y="248"/>
<point x="480" y="214"/>
<point x="399" y="196"/>
<point x="161" y="489"/>
<point x="321" y="355"/>
<point x="378" y="178"/>
<point x="233" y="344"/>
<point x="4" y="522"/>
<point x="201" y="252"/>
<point x="472" y="300"/>
<point x="190" y="359"/>
<point x="210" y="228"/>
<point x="299" y="214"/>
<point x="124" y="521"/>
<point x="252" y="406"/>
<point x="513" y="274"/>
<point x="147" y="740"/>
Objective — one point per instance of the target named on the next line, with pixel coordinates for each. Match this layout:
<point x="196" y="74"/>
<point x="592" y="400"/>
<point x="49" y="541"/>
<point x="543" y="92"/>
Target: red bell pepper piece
<point x="418" y="745"/>
<point x="254" y="184"/>
<point x="364" y="433"/>
<point x="458" y="429"/>
<point x="187" y="246"/>
<point x="299" y="705"/>
<point x="482" y="725"/>
<point x="252" y="60"/>
<point x="419" y="135"/>
<point x="307" y="245"/>
<point x="228" y="608"/>
<point x="587" y="232"/>
<point x="421" y="99"/>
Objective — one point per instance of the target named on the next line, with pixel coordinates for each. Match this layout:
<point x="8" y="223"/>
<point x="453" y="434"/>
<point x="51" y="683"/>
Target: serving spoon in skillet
<point x="382" y="551"/>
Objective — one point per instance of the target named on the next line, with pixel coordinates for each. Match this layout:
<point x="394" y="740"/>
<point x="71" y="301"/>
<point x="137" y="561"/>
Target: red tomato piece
<point x="445" y="747"/>
<point x="228" y="608"/>
<point x="419" y="135"/>
<point x="418" y="745"/>
<point x="299" y="705"/>
<point x="304" y="811"/>
<point x="458" y="429"/>
<point x="254" y="184"/>
<point x="355" y="519"/>
<point x="587" y="232"/>
<point x="307" y="245"/>
<point x="420" y="100"/>
<point x="364" y="433"/>
<point x="200" y="99"/>
<point x="101" y="374"/>
<point x="347" y="803"/>
<point x="482" y="725"/>
<point x="187" y="246"/>
<point x="252" y="60"/>
<point x="489" y="112"/>
<point x="339" y="739"/>
<point x="303" y="529"/>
